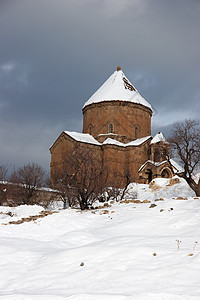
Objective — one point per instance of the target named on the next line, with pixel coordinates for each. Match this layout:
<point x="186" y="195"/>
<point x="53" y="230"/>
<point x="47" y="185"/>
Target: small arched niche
<point x="165" y="173"/>
<point x="136" y="132"/>
<point x="110" y="129"/>
<point x="90" y="129"/>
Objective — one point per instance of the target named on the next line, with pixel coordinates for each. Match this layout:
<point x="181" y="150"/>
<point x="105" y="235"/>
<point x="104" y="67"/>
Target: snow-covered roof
<point x="87" y="138"/>
<point x="159" y="137"/>
<point x="82" y="137"/>
<point x="137" y="142"/>
<point x="117" y="87"/>
<point x="157" y="164"/>
<point x="176" y="167"/>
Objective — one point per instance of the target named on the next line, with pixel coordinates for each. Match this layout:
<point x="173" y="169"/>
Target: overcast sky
<point x="54" y="54"/>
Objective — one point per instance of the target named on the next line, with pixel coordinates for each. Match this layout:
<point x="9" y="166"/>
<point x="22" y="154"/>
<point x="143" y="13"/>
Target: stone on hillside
<point x="152" y="205"/>
<point x="174" y="181"/>
<point x="181" y="198"/>
<point x="154" y="186"/>
<point x="159" y="199"/>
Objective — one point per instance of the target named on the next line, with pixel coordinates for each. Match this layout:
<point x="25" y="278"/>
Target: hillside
<point x="126" y="251"/>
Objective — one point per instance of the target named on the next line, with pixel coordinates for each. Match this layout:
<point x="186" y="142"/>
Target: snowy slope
<point x="129" y="250"/>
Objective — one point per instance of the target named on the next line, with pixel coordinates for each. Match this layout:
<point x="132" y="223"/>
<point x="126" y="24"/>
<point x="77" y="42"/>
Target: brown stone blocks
<point x="124" y="116"/>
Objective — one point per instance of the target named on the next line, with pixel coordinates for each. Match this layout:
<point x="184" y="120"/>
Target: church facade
<point x="117" y="128"/>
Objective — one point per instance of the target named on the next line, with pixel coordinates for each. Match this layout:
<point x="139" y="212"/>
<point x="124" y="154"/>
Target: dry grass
<point x="134" y="201"/>
<point x="9" y="213"/>
<point x="32" y="218"/>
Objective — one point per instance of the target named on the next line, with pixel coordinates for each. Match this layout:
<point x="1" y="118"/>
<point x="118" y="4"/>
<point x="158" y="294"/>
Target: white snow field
<point x="127" y="251"/>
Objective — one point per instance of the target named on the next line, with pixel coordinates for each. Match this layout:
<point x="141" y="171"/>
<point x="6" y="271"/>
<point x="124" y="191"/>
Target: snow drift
<point x="127" y="251"/>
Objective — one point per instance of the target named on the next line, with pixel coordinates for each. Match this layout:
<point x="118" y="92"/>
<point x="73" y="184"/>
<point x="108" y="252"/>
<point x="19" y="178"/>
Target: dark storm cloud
<point x="54" y="54"/>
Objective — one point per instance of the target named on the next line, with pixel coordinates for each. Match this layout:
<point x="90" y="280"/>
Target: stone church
<point x="117" y="127"/>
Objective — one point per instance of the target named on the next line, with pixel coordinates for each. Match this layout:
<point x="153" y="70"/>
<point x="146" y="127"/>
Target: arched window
<point x="156" y="155"/>
<point x="165" y="173"/>
<point x="90" y="129"/>
<point x="150" y="174"/>
<point x="111" y="128"/>
<point x="136" y="132"/>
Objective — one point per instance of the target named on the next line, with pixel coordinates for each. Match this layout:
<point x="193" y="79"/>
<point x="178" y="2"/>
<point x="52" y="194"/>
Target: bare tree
<point x="66" y="193"/>
<point x="3" y="177"/>
<point x="185" y="143"/>
<point x="3" y="172"/>
<point x="82" y="178"/>
<point x="27" y="179"/>
<point x="128" y="179"/>
<point x="110" y="193"/>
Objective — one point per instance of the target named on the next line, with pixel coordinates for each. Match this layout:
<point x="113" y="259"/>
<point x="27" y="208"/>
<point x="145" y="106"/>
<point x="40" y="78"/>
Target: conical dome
<point x="117" y="88"/>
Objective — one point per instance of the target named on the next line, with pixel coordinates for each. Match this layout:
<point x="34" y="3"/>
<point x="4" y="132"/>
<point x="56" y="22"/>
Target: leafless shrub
<point x="185" y="144"/>
<point x="82" y="179"/>
<point x="129" y="179"/>
<point x="25" y="181"/>
<point x="3" y="172"/>
<point x="110" y="193"/>
<point x="3" y="193"/>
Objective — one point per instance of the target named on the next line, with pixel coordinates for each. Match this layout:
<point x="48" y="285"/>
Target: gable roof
<point x="117" y="88"/>
<point x="79" y="137"/>
<point x="82" y="137"/>
<point x="176" y="167"/>
<point x="159" y="137"/>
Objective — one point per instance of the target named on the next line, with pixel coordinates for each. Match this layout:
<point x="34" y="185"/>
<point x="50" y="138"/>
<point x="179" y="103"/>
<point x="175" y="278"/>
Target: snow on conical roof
<point x="159" y="137"/>
<point x="117" y="87"/>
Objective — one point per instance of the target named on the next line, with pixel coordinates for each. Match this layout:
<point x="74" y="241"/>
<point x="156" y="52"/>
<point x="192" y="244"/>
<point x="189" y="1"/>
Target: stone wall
<point x="123" y="161"/>
<point x="117" y="161"/>
<point x="63" y="149"/>
<point x="128" y="119"/>
<point x="120" y="120"/>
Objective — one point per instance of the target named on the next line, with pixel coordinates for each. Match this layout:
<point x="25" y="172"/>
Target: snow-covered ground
<point x="128" y="251"/>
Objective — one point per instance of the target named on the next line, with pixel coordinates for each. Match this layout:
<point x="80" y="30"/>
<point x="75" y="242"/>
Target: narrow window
<point x="111" y="128"/>
<point x="136" y="132"/>
<point x="90" y="129"/>
<point x="156" y="155"/>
